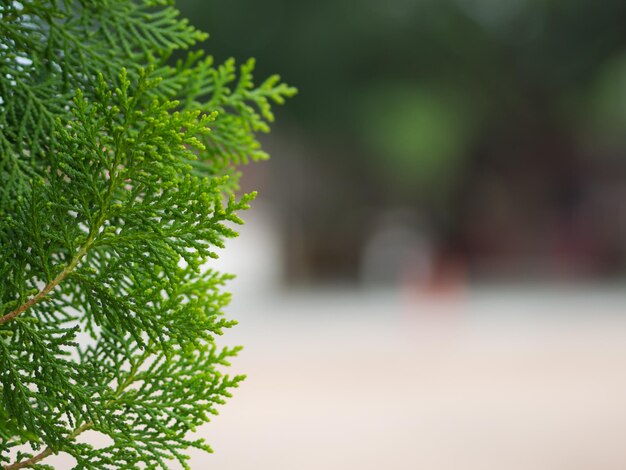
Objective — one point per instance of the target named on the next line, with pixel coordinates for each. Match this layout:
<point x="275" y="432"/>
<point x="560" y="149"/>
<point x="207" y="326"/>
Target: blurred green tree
<point x="421" y="101"/>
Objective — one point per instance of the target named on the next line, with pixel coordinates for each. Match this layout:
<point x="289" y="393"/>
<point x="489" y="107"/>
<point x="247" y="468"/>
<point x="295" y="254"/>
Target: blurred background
<point x="438" y="141"/>
<point x="433" y="274"/>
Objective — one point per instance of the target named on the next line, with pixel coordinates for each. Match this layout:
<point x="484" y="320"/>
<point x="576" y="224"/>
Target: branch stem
<point x="47" y="451"/>
<point x="30" y="462"/>
<point x="50" y="286"/>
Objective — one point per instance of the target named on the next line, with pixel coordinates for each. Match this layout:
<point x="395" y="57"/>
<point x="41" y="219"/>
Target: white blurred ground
<point x="489" y="380"/>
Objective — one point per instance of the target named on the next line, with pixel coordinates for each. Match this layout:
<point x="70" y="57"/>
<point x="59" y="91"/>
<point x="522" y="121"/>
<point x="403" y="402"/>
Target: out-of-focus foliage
<point x="492" y="59"/>
<point x="442" y="106"/>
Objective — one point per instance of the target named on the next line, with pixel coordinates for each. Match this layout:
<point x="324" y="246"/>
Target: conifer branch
<point x="115" y="194"/>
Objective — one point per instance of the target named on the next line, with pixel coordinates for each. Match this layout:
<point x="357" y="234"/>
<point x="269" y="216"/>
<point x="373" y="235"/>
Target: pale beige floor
<point x="490" y="380"/>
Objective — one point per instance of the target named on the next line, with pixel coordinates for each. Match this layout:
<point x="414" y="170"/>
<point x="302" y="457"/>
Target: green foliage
<point x="117" y="179"/>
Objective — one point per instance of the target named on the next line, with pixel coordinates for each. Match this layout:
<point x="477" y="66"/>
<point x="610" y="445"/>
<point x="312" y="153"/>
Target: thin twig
<point x="30" y="462"/>
<point x="47" y="451"/>
<point x="48" y="287"/>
